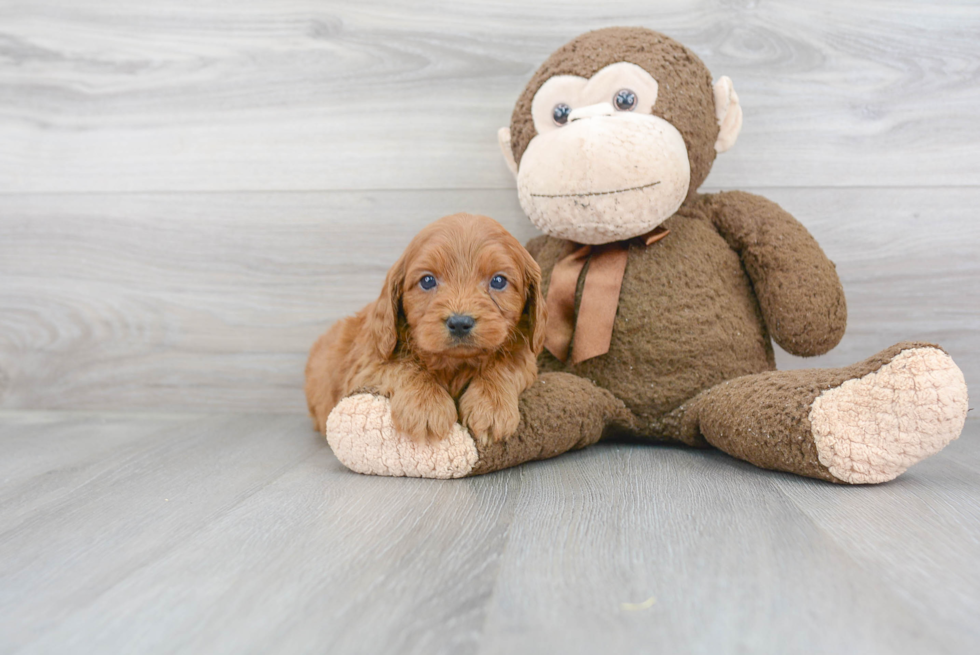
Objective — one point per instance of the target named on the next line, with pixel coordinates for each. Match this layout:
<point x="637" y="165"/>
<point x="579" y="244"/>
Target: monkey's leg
<point x="559" y="412"/>
<point x="865" y="423"/>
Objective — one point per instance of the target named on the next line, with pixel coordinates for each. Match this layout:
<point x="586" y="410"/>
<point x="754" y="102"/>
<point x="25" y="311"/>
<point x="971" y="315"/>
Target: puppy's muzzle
<point x="460" y="325"/>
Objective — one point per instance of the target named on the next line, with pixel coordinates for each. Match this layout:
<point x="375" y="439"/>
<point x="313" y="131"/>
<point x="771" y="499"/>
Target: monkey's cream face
<point x="601" y="167"/>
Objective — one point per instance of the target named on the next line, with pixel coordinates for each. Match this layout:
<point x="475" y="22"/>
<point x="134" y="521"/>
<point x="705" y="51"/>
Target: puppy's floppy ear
<point x="535" y="308"/>
<point x="383" y="317"/>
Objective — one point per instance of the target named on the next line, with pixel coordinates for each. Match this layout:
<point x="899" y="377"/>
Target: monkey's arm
<point x="800" y="295"/>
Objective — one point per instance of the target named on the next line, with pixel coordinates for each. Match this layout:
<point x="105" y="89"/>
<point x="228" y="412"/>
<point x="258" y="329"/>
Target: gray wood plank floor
<point x="243" y="534"/>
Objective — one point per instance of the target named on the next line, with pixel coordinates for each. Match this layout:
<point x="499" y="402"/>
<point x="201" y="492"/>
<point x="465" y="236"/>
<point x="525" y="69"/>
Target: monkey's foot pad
<point x="870" y="429"/>
<point x="360" y="432"/>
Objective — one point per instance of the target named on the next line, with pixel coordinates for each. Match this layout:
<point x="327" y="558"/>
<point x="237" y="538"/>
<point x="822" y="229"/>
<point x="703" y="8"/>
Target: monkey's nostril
<point x="460" y="325"/>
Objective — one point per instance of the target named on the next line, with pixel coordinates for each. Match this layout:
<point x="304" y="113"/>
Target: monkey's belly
<point x="687" y="320"/>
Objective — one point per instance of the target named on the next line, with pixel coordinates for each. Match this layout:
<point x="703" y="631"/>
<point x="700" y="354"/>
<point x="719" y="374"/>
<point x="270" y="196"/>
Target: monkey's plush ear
<point x="503" y="137"/>
<point x="729" y="114"/>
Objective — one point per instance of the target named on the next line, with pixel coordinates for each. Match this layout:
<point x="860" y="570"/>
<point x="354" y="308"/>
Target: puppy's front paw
<point x="488" y="420"/>
<point x="426" y="414"/>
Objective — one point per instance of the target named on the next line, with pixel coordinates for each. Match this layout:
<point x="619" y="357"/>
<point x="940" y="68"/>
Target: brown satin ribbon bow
<point x="593" y="327"/>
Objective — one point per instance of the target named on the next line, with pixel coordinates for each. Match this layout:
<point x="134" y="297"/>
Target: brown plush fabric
<point x="697" y="310"/>
<point x="559" y="412"/>
<point x="685" y="96"/>
<point x="764" y="418"/>
<point x="689" y="317"/>
<point x="799" y="292"/>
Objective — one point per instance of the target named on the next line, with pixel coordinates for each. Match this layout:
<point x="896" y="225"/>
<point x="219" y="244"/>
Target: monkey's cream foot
<point x="859" y="424"/>
<point x="870" y="429"/>
<point x="558" y="413"/>
<point x="360" y="432"/>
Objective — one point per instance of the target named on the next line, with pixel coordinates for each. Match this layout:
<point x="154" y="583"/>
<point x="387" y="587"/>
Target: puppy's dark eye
<point x="625" y="100"/>
<point x="560" y="113"/>
<point x="427" y="282"/>
<point x="498" y="282"/>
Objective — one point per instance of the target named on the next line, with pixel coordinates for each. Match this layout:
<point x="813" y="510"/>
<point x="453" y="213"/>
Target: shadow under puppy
<point x="454" y="335"/>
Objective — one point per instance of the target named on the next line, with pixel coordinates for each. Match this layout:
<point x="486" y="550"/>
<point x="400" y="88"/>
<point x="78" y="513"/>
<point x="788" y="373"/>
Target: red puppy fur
<point x="455" y="335"/>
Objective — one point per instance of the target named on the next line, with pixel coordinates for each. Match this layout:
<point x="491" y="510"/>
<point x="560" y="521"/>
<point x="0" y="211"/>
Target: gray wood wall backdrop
<point x="191" y="191"/>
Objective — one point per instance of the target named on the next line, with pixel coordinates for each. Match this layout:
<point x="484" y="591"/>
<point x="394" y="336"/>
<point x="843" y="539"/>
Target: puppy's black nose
<point x="460" y="325"/>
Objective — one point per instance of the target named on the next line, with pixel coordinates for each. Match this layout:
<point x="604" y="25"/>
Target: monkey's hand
<point x="800" y="295"/>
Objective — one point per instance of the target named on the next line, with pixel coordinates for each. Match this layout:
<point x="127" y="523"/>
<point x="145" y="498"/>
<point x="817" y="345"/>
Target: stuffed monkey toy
<point x="663" y="303"/>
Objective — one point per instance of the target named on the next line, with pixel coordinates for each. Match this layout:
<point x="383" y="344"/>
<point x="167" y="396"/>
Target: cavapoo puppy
<point x="455" y="335"/>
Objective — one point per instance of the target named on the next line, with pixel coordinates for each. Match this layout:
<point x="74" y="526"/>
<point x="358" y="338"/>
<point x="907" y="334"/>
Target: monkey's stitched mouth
<point x="593" y="193"/>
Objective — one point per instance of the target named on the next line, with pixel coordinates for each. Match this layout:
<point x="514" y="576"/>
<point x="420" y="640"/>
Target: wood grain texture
<point x="939" y="501"/>
<point x="211" y="301"/>
<point x="732" y="566"/>
<point x="138" y="501"/>
<point x="339" y="95"/>
<point x="243" y="534"/>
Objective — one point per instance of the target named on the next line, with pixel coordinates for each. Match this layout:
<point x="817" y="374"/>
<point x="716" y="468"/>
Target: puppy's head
<point x="464" y="287"/>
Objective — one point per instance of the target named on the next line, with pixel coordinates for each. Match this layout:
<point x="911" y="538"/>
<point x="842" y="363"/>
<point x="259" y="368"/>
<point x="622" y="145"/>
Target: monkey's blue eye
<point x="625" y="100"/>
<point x="498" y="282"/>
<point x="560" y="113"/>
<point x="427" y="282"/>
